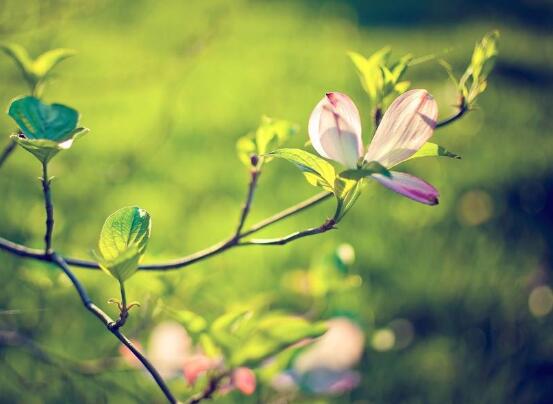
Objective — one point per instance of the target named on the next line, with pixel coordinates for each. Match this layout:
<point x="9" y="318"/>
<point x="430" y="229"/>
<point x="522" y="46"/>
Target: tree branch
<point x="215" y="249"/>
<point x="8" y="150"/>
<point x="110" y="325"/>
<point x="209" y="391"/>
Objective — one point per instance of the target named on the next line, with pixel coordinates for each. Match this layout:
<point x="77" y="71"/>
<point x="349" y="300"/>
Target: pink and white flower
<point x="335" y="133"/>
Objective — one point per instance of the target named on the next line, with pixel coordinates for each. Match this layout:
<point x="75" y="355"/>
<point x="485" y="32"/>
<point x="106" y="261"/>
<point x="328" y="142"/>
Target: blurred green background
<point x="168" y="87"/>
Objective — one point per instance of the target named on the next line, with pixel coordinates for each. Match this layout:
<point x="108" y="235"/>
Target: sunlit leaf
<point x="271" y="134"/>
<point x="433" y="150"/>
<point x="317" y="171"/>
<point x="123" y="240"/>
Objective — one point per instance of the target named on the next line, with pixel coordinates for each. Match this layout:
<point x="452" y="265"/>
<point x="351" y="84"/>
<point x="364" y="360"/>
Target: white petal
<point x="407" y="125"/>
<point x="335" y="129"/>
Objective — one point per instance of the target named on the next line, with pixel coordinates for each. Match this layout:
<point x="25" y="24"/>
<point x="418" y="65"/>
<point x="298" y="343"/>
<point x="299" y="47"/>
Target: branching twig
<point x="110" y="325"/>
<point x="209" y="391"/>
<point x="326" y="226"/>
<point x="215" y="249"/>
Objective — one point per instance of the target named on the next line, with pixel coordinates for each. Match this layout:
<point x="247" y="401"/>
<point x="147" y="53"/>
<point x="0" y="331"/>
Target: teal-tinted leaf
<point x="41" y="121"/>
<point x="317" y="171"/>
<point x="123" y="240"/>
<point x="50" y="59"/>
<point x="433" y="150"/>
<point x="367" y="170"/>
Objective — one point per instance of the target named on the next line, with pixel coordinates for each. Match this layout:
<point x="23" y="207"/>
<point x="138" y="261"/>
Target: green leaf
<point x="270" y="134"/>
<point x="317" y="171"/>
<point x="368" y="169"/>
<point x="192" y="322"/>
<point x="433" y="150"/>
<point x="44" y="149"/>
<point x="208" y="346"/>
<point x="23" y="61"/>
<point x="228" y="328"/>
<point x="41" y="121"/>
<point x="274" y="333"/>
<point x="245" y="147"/>
<point x="378" y="76"/>
<point x="50" y="59"/>
<point x="474" y="80"/>
<point x="35" y="71"/>
<point x="123" y="240"/>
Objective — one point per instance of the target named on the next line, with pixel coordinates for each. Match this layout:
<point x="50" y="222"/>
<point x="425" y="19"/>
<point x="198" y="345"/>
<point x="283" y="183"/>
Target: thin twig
<point x="326" y="226"/>
<point x="254" y="176"/>
<point x="209" y="391"/>
<point x="48" y="208"/>
<point x="109" y="323"/>
<point x="8" y="150"/>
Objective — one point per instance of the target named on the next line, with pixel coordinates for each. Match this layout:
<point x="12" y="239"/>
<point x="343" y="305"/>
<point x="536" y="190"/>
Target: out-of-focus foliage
<point x="454" y="301"/>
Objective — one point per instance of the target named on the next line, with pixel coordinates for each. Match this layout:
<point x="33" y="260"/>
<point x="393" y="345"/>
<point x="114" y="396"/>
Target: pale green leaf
<point x="433" y="150"/>
<point x="50" y="59"/>
<point x="274" y="333"/>
<point x="123" y="240"/>
<point x="317" y="171"/>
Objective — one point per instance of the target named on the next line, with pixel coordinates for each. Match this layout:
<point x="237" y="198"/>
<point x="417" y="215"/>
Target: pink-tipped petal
<point x="407" y="124"/>
<point x="410" y="186"/>
<point x="244" y="380"/>
<point x="335" y="129"/>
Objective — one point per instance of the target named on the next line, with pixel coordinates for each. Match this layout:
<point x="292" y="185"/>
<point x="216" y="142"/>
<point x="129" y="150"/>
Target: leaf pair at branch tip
<point x="271" y="134"/>
<point x="379" y="77"/>
<point x="35" y="71"/>
<point x="474" y="80"/>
